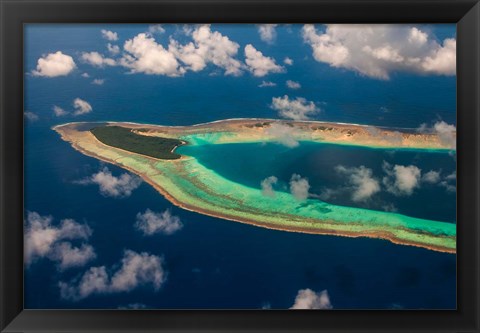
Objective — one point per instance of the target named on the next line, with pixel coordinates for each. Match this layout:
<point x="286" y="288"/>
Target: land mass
<point x="188" y="184"/>
<point x="125" y="138"/>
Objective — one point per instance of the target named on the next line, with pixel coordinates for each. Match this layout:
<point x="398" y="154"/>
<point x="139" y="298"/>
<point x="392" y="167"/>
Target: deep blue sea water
<point x="213" y="263"/>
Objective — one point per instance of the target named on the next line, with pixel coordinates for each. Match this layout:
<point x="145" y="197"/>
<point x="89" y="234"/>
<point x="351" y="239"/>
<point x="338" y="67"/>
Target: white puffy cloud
<point x="293" y="84"/>
<point x="208" y="47"/>
<point x="378" y="50"/>
<point x="296" y="109"/>
<point x="69" y="256"/>
<point x="54" y="64"/>
<point x="151" y="223"/>
<point x="85" y="75"/>
<point x="326" y="48"/>
<point x="42" y="239"/>
<point x="299" y="187"/>
<point x="435" y="178"/>
<point x="113" y="49"/>
<point x="258" y="64"/>
<point x="447" y="133"/>
<point x="39" y="236"/>
<point x="267" y="186"/>
<point x="133" y="306"/>
<point x="363" y="185"/>
<point x="137" y="269"/>
<point x="97" y="59"/>
<point x="267" y="32"/>
<point x="449" y="182"/>
<point x="431" y="177"/>
<point x="288" y="61"/>
<point x="58" y="111"/>
<point x="283" y="134"/>
<point x="98" y="82"/>
<point x="31" y="116"/>
<point x="267" y="84"/>
<point x="145" y="55"/>
<point x="309" y="299"/>
<point x="111" y="186"/>
<point x="109" y="35"/>
<point x="156" y="29"/>
<point x="400" y="179"/>
<point x="81" y="107"/>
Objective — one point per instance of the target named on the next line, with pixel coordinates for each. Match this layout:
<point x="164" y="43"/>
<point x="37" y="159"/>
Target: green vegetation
<point x="264" y="124"/>
<point x="124" y="138"/>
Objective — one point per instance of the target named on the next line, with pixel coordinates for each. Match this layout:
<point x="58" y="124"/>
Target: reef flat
<point x="188" y="184"/>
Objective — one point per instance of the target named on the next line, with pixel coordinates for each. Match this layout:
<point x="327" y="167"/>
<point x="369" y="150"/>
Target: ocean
<point x="214" y="263"/>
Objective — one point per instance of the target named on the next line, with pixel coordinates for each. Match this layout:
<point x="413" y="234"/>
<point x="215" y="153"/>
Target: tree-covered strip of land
<point x="124" y="138"/>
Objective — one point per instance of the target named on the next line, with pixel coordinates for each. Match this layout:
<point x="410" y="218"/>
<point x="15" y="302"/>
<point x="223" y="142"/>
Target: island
<point x="149" y="151"/>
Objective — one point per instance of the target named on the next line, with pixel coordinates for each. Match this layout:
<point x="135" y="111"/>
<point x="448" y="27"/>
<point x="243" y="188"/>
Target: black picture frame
<point x="15" y="13"/>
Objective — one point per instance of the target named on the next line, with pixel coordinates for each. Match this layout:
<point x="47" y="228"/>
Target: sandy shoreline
<point x="274" y="130"/>
<point x="69" y="133"/>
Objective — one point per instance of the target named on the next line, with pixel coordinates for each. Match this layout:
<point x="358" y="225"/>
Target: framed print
<point x="261" y="166"/>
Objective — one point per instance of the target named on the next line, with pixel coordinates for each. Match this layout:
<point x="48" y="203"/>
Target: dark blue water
<point x="214" y="263"/>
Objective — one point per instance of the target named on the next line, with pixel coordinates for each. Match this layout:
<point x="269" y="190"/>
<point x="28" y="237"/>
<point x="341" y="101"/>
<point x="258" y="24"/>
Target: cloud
<point x="435" y="178"/>
<point x="81" y="107"/>
<point x="395" y="137"/>
<point x="443" y="59"/>
<point x="449" y="182"/>
<point x="293" y="85"/>
<point x="283" y="134"/>
<point x="258" y="64"/>
<point x="267" y="32"/>
<point x="391" y="208"/>
<point x="267" y="186"/>
<point x="137" y="269"/>
<point x="98" y="82"/>
<point x="42" y="239"/>
<point x="296" y="109"/>
<point x="144" y="55"/>
<point x="31" y="116"/>
<point x="447" y="133"/>
<point x="97" y="59"/>
<point x="151" y="223"/>
<point x="58" y="111"/>
<point x="113" y="49"/>
<point x="68" y="256"/>
<point x="156" y="29"/>
<point x="85" y="75"/>
<point x="267" y="84"/>
<point x="378" y="50"/>
<point x="109" y="35"/>
<point x="133" y="306"/>
<point x="54" y="64"/>
<point x="431" y="177"/>
<point x="288" y="61"/>
<point x="362" y="183"/>
<point x="401" y="180"/>
<point x="309" y="299"/>
<point x="299" y="187"/>
<point x="39" y="236"/>
<point x="208" y="47"/>
<point x="111" y="186"/>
